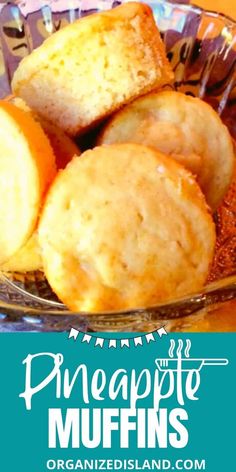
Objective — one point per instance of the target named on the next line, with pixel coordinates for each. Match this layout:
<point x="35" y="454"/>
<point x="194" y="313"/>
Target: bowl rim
<point x="58" y="309"/>
<point x="226" y="286"/>
<point x="184" y="6"/>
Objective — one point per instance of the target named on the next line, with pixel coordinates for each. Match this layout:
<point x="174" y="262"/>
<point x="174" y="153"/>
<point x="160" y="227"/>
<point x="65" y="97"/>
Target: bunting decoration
<point x="113" y="343"/>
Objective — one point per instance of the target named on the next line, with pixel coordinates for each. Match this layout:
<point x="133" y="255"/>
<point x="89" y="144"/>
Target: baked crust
<point x="28" y="258"/>
<point x="123" y="227"/>
<point x="27" y="167"/>
<point x="63" y="146"/>
<point x="185" y="128"/>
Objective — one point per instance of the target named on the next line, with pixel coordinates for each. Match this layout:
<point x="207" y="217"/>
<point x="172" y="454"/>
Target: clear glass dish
<point x="202" y="49"/>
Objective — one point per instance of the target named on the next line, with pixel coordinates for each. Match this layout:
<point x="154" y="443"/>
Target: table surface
<point x="228" y="7"/>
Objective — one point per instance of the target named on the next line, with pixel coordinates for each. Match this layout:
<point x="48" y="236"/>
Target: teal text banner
<point x="117" y="403"/>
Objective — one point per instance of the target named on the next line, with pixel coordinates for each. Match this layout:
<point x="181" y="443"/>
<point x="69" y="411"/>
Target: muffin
<point x="185" y="128"/>
<point x="124" y="226"/>
<point x="63" y="146"/>
<point x="28" y="258"/>
<point x="27" y="167"/>
<point x="92" y="67"/>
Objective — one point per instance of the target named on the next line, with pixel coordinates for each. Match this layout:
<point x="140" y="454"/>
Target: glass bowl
<point x="202" y="49"/>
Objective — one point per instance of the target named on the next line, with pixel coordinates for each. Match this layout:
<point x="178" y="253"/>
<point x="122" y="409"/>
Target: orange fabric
<point x="228" y="7"/>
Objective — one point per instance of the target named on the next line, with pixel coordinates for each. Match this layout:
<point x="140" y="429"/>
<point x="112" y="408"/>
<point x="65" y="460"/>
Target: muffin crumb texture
<point x="92" y="67"/>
